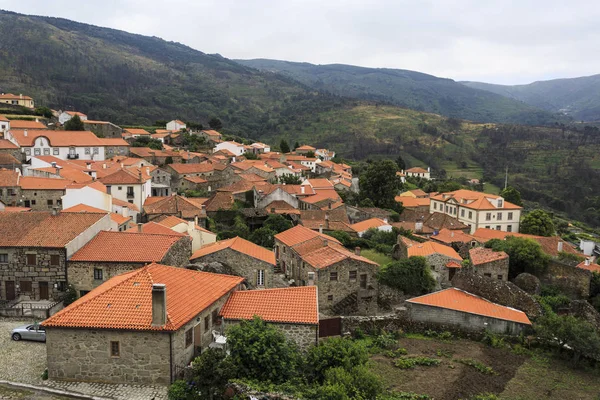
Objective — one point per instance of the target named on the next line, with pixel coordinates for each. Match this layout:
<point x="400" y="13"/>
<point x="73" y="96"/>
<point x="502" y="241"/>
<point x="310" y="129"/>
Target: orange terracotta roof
<point x="212" y="133"/>
<point x="321" y="196"/>
<point x="331" y="254"/>
<point x="368" y="224"/>
<point x="186" y="207"/>
<point x="9" y="159"/>
<point x="293" y="305"/>
<point x="320" y="184"/>
<point x="417" y="170"/>
<point x="451" y="236"/>
<point x="84" y="208"/>
<point x="192" y="168"/>
<point x="306" y="147"/>
<point x="453" y="264"/>
<point x="170" y="221"/>
<point x="113" y="142"/>
<point x="411" y="202"/>
<point x="58" y="138"/>
<point x="154" y="228"/>
<point x="9" y="177"/>
<point x="110" y="246"/>
<point x="16" y="209"/>
<point x="74" y="113"/>
<point x="42" y="229"/>
<point x="137" y="131"/>
<point x="593" y="267"/>
<point x="125" y="301"/>
<point x="7" y="145"/>
<point x="89" y="121"/>
<point x="474" y="200"/>
<point x="299" y="234"/>
<point x="25" y="124"/>
<point x="482" y="255"/>
<point x="428" y="248"/>
<point x="220" y="201"/>
<point x="119" y="219"/>
<point x="3" y="118"/>
<point x="121" y="203"/>
<point x="11" y="96"/>
<point x="124" y="177"/>
<point x="241" y="246"/>
<point x="33" y="183"/>
<point x="458" y="300"/>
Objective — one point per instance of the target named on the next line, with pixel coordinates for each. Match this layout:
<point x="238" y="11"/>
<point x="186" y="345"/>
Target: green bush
<point x="396" y="353"/>
<point x="179" y="390"/>
<point x="70" y="295"/>
<point x="386" y="341"/>
<point x="403" y="396"/>
<point x="493" y="340"/>
<point x="358" y="382"/>
<point x="332" y="353"/>
<point x="410" y="275"/>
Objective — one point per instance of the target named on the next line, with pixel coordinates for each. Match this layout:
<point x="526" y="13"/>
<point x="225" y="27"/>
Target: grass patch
<point x="379" y="258"/>
<point x="410" y="362"/>
<point x="484" y="369"/>
<point x="444" y="353"/>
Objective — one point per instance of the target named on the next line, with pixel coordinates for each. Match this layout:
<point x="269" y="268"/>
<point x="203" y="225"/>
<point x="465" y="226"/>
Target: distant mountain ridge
<point x="576" y="97"/>
<point x="409" y="89"/>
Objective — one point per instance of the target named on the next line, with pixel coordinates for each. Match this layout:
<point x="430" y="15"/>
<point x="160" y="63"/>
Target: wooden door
<point x="44" y="291"/>
<point x="10" y="290"/>
<point x="330" y="327"/>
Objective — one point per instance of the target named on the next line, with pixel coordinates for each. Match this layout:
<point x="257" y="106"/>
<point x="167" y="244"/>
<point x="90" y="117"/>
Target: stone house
<point x="67" y="115"/>
<point x="257" y="167"/>
<point x="294" y="311"/>
<point x="35" y="247"/>
<point x="10" y="191"/>
<point x="157" y="320"/>
<point x="103" y="129"/>
<point x="490" y="263"/>
<point x="8" y="147"/>
<point x="155" y="157"/>
<point x="111" y="253"/>
<point x="255" y="263"/>
<point x="115" y="146"/>
<point x="345" y="280"/>
<point x="161" y="182"/>
<point x="180" y="171"/>
<point x="42" y="194"/>
<point x="187" y="208"/>
<point x="193" y="183"/>
<point x="468" y="312"/>
<point x="211" y="136"/>
<point x="443" y="260"/>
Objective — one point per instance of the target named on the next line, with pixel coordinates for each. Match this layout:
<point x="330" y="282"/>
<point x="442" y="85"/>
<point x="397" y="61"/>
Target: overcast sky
<point x="498" y="41"/>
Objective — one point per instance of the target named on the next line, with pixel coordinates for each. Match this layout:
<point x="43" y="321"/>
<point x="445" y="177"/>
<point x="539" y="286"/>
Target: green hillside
<point x="408" y="89"/>
<point x="134" y="79"/>
<point x="576" y="97"/>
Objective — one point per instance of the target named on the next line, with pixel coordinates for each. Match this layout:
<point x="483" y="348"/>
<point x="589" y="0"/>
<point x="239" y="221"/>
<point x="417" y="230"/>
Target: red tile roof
<point x="42" y="229"/>
<point x="84" y="208"/>
<point x="593" y="267"/>
<point x="300" y="234"/>
<point x="412" y="202"/>
<point x="482" y="255"/>
<point x="474" y="200"/>
<point x="24" y="124"/>
<point x="58" y="138"/>
<point x="125" y="301"/>
<point x="192" y="168"/>
<point x="137" y="131"/>
<point x="429" y="248"/>
<point x="33" y="183"/>
<point x="294" y="305"/>
<point x="417" y="170"/>
<point x="11" y="96"/>
<point x="9" y="177"/>
<point x="154" y="228"/>
<point x="126" y="247"/>
<point x="124" y="177"/>
<point x="241" y="246"/>
<point x="332" y="254"/>
<point x="368" y="224"/>
<point x="7" y="144"/>
<point x="450" y="236"/>
<point x="458" y="300"/>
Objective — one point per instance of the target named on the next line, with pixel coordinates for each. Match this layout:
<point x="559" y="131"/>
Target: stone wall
<point x="305" y="336"/>
<point x="437" y="262"/>
<point x="81" y="273"/>
<point x="179" y="254"/>
<point x="241" y="265"/>
<point x="84" y="355"/>
<point x="10" y="196"/>
<point x="572" y="281"/>
<point x="17" y="270"/>
<point x="495" y="269"/>
<point x="39" y="199"/>
<point x="104" y="130"/>
<point x="496" y="291"/>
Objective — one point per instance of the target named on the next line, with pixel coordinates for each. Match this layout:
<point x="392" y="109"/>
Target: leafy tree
<point x="310" y="154"/>
<point x="144" y="141"/>
<point x="358" y="382"/>
<point x="211" y="371"/>
<point x="343" y="237"/>
<point x="74" y="124"/>
<point x="240" y="228"/>
<point x="525" y="255"/>
<point x="380" y="184"/>
<point x="400" y="163"/>
<point x="277" y="223"/>
<point x="215" y="123"/>
<point x="263" y="237"/>
<point x="161" y="122"/>
<point x="284" y="146"/>
<point x="181" y="390"/>
<point x="448" y="186"/>
<point x="296" y="145"/>
<point x="512" y="195"/>
<point x="410" y="275"/>
<point x="251" y="156"/>
<point x="289" y="179"/>
<point x="537" y="222"/>
<point x="70" y="295"/>
<point x="333" y="353"/>
<point x="261" y="351"/>
<point x="169" y="160"/>
<point x="44" y="112"/>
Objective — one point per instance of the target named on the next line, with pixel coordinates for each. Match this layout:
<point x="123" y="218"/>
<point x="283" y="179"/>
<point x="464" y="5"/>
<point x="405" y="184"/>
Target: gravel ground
<point x="11" y="393"/>
<point x="22" y="361"/>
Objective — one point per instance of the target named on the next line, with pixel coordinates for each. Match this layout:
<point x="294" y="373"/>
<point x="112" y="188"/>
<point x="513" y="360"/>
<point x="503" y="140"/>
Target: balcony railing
<point x="130" y="195"/>
<point x="72" y="156"/>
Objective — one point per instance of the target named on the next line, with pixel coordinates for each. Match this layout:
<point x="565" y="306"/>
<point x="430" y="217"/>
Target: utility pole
<point x="506" y="178"/>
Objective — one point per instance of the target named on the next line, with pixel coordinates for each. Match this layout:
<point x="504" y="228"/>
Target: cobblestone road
<point x="117" y="392"/>
<point x="11" y="393"/>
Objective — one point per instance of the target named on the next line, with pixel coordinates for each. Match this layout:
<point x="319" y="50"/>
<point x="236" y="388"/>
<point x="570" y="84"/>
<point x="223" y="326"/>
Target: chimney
<point x="357" y="251"/>
<point x="560" y="246"/>
<point x="139" y="227"/>
<point x="88" y="165"/>
<point x="320" y="228"/>
<point x="385" y="220"/>
<point x="428" y="169"/>
<point x="418" y="227"/>
<point x="452" y="234"/>
<point x="301" y="187"/>
<point x="196" y="218"/>
<point x="159" y="304"/>
<point x="325" y="242"/>
<point x="104" y="166"/>
<point x="57" y="169"/>
<point x="55" y="211"/>
<point x="329" y="206"/>
<point x="20" y="95"/>
<point x="587" y="261"/>
<point x="37" y="120"/>
<point x="25" y="133"/>
<point x="121" y="165"/>
<point x="148" y="171"/>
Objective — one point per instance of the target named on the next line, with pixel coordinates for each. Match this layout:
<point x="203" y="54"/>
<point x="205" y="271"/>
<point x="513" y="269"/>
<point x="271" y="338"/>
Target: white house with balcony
<point x="478" y="210"/>
<point x="236" y="148"/>
<point x="131" y="185"/>
<point x="66" y="145"/>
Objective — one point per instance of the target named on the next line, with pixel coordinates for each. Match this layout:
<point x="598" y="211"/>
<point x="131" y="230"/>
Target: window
<point x="330" y="297"/>
<point x="311" y="276"/>
<point x="96" y="150"/>
<point x="509" y="228"/>
<point x="87" y="150"/>
<point x="488" y="216"/>
<point x="260" y="277"/>
<point x="498" y="228"/>
<point x="37" y="152"/>
<point x="55" y="152"/>
<point x="333" y="276"/>
<point x="215" y="317"/>
<point x="83" y="292"/>
<point x="98" y="274"/>
<point x="31" y="259"/>
<point x="206" y="323"/>
<point x="499" y="216"/>
<point x="487" y="274"/>
<point x="470" y="214"/>
<point x="487" y="227"/>
<point x="462" y="213"/>
<point x="510" y="216"/>
<point x="352" y="275"/>
<point x="500" y="203"/>
<point x="33" y="201"/>
<point x="50" y="202"/>
<point x="283" y="249"/>
<point x="434" y="205"/>
<point x="120" y="188"/>
<point x="54" y="259"/>
<point x="499" y="277"/>
<point x="25" y="286"/>
<point x="129" y="190"/>
<point x="108" y="189"/>
<point x="28" y="152"/>
<point x="3" y="258"/>
<point x="46" y="152"/>
<point x="363" y="281"/>
<point x="115" y="349"/>
<point x="189" y="338"/>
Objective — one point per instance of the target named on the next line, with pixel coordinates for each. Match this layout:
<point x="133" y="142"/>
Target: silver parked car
<point x="29" y="332"/>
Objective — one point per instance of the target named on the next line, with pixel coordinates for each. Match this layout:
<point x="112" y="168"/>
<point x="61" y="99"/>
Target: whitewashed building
<point x="236" y="148"/>
<point x="66" y="145"/>
<point x="67" y="115"/>
<point x="132" y="185"/>
<point x="175" y="125"/>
